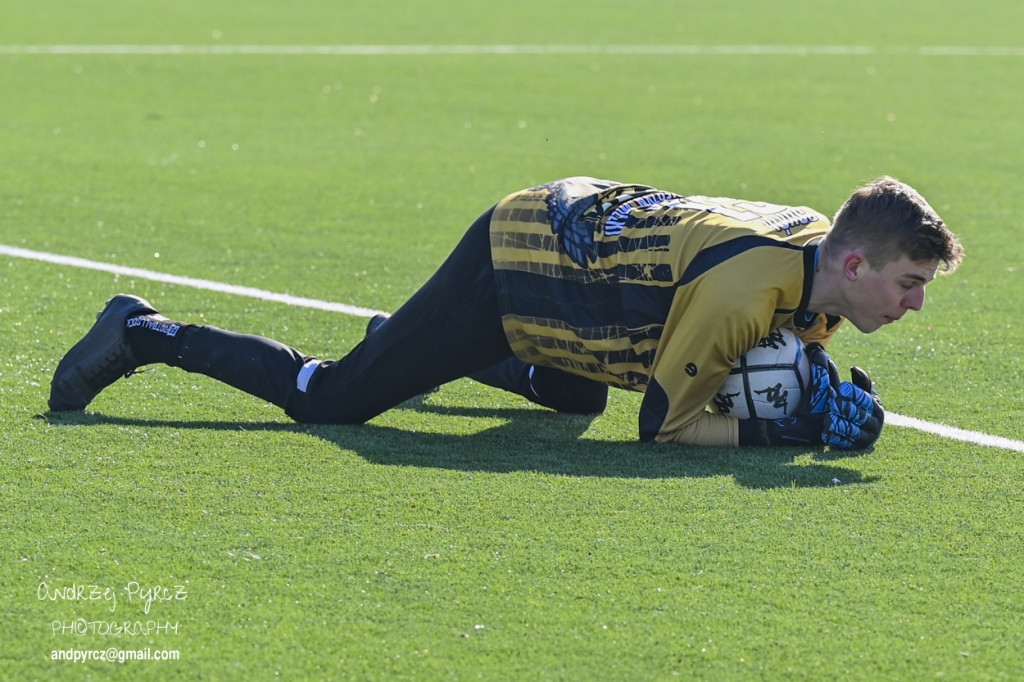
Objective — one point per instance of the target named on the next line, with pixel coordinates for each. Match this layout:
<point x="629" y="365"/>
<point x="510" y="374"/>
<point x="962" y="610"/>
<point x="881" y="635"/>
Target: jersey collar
<point x="804" y="318"/>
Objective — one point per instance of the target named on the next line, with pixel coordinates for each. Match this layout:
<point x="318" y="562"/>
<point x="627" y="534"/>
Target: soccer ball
<point x="768" y="381"/>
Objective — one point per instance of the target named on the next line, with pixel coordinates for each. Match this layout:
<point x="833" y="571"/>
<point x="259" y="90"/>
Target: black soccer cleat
<point x="100" y="358"/>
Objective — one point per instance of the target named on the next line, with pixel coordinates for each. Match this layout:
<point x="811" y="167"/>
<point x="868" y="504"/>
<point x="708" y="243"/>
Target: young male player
<point x="562" y="290"/>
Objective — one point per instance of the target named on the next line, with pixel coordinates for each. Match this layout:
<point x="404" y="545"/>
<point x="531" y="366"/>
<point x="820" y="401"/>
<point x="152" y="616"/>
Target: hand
<point x="853" y="414"/>
<point x="845" y="415"/>
<point x="856" y="418"/>
<point x="825" y="381"/>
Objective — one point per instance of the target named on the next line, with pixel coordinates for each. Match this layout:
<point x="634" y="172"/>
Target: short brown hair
<point x="887" y="219"/>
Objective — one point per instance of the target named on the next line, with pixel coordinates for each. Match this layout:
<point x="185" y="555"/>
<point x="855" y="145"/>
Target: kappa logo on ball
<point x="768" y="381"/>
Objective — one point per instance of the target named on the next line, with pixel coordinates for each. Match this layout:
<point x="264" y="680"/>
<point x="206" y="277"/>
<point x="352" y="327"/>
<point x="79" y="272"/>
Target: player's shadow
<point x="540" y="441"/>
<point x="543" y="441"/>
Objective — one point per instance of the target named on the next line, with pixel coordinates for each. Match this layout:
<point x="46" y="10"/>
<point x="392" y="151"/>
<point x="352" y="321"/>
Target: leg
<point x="450" y="328"/>
<point x="546" y="386"/>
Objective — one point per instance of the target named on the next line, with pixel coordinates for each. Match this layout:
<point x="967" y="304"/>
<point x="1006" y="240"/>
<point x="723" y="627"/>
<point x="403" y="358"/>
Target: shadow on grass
<point x="538" y="441"/>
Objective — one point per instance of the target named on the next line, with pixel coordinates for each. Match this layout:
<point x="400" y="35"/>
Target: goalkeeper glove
<point x="842" y="414"/>
<point x="856" y="418"/>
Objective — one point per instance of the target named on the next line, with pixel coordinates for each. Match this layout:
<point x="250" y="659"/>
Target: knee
<point x="306" y="411"/>
<point x="569" y="393"/>
<point x="586" y="402"/>
<point x="322" y="394"/>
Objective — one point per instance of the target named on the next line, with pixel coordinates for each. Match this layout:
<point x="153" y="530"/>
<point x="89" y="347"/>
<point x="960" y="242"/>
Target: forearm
<point x="708" y="429"/>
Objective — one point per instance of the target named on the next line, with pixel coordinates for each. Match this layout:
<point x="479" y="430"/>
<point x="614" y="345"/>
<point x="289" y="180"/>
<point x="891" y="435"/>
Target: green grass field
<point x="470" y="535"/>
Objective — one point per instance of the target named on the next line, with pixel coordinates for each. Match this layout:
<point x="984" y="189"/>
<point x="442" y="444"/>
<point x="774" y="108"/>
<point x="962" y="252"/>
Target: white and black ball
<point x="768" y="381"/>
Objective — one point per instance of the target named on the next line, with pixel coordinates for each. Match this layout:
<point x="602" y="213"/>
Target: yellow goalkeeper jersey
<point x="653" y="291"/>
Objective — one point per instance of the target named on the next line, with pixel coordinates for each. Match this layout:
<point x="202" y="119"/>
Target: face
<point x="876" y="297"/>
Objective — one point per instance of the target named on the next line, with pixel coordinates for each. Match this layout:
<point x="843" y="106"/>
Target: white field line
<point x="954" y="433"/>
<point x="206" y="284"/>
<point x="455" y="50"/>
<point x="15" y="252"/>
<point x="445" y="50"/>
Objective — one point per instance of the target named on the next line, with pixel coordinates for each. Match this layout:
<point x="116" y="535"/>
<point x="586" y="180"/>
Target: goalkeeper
<point x="560" y="291"/>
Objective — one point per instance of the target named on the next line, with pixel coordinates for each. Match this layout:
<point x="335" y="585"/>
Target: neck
<point x="826" y="287"/>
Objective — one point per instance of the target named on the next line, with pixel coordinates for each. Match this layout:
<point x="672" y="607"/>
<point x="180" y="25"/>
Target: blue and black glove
<point x="846" y="415"/>
<point x="856" y="418"/>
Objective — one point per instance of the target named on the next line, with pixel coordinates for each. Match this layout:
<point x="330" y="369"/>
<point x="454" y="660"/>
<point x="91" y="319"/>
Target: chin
<point x="866" y="327"/>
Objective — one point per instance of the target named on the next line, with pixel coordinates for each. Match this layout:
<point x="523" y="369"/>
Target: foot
<point x="100" y="358"/>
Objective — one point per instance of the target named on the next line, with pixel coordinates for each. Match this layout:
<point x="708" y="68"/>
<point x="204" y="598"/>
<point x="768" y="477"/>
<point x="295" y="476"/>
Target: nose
<point x="914" y="300"/>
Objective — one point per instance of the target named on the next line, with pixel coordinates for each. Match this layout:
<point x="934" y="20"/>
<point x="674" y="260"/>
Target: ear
<point x="853" y="263"/>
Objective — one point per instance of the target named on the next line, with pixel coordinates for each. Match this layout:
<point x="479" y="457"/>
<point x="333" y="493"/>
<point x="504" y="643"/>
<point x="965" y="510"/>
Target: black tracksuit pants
<point x="450" y="328"/>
